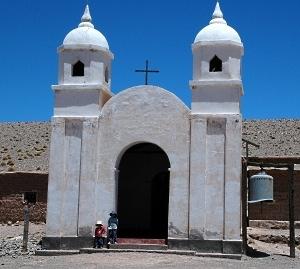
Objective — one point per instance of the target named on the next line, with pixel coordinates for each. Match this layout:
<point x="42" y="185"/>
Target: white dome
<point x="218" y="30"/>
<point x="86" y="34"/>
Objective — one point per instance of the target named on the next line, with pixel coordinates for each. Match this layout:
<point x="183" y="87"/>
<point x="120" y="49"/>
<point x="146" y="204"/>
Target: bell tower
<point x="84" y="79"/>
<point x="217" y="52"/>
<point x="216" y="122"/>
<point x="84" y="86"/>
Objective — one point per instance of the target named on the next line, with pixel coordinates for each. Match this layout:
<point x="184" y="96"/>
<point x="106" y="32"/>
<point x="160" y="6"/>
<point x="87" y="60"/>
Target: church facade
<point x="170" y="172"/>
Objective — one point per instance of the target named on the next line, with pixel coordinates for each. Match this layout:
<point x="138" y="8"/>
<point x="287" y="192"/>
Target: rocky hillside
<point x="277" y="138"/>
<point x="24" y="146"/>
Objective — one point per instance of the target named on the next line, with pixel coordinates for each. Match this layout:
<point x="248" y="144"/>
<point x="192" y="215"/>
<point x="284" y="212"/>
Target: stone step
<point x="139" y="246"/>
<point x="60" y="252"/>
<point x="165" y="251"/>
<point x="105" y="250"/>
<point x="219" y="255"/>
<point x="141" y="241"/>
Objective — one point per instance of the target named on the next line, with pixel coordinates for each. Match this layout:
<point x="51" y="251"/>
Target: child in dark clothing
<point x="112" y="227"/>
<point x="100" y="234"/>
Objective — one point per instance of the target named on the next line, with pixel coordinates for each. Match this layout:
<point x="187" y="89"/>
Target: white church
<point x="170" y="172"/>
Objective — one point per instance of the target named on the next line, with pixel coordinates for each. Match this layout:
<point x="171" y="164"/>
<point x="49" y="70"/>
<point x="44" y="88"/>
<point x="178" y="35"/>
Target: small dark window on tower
<point x="106" y="75"/>
<point x="78" y="69"/>
<point x="30" y="197"/>
<point x="215" y="64"/>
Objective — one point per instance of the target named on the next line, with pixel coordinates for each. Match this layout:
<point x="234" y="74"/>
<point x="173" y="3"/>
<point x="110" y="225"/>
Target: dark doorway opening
<point x="143" y="192"/>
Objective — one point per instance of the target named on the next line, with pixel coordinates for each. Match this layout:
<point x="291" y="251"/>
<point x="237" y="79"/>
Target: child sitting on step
<point x="100" y="234"/>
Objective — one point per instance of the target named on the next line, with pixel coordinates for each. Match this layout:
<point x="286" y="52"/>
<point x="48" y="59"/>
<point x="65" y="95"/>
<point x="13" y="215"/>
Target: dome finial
<point x="217" y="16"/>
<point x="86" y="19"/>
<point x="218" y="12"/>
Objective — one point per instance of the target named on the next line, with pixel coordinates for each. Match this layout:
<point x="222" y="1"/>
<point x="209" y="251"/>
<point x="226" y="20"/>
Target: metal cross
<point x="146" y="71"/>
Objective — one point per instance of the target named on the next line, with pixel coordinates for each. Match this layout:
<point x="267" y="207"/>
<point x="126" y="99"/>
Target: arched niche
<point x="215" y="64"/>
<point x="78" y="69"/>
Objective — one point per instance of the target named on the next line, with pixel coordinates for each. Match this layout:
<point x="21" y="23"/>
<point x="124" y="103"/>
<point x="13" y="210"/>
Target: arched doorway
<point x="143" y="192"/>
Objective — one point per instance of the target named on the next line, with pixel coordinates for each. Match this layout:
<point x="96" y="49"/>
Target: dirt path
<point x="145" y="260"/>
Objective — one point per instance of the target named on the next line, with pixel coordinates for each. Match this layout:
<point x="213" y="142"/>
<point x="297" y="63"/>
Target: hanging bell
<point x="260" y="187"/>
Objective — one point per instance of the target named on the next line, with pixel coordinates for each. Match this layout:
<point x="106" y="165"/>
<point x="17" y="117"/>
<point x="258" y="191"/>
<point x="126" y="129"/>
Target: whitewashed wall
<point x="145" y="114"/>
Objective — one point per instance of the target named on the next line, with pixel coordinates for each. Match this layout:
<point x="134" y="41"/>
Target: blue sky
<point x="161" y="31"/>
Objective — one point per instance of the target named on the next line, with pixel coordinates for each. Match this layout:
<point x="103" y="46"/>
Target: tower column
<point x="215" y="169"/>
<point x="70" y="186"/>
<point x="56" y="177"/>
<point x="197" y="209"/>
<point x="88" y="173"/>
<point x="232" y="201"/>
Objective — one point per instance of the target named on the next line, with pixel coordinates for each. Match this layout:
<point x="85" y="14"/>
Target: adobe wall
<point x="12" y="187"/>
<point x="279" y="209"/>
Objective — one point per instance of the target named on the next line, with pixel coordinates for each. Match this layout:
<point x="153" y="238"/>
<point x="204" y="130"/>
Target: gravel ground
<point x="145" y="260"/>
<point x="12" y="257"/>
<point x="272" y="236"/>
<point x="11" y="239"/>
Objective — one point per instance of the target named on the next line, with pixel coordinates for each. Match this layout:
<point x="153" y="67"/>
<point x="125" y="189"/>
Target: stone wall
<point x="12" y="188"/>
<point x="279" y="209"/>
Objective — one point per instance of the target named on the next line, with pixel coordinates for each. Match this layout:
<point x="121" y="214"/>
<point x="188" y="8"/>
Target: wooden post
<point x="26" y="227"/>
<point x="244" y="205"/>
<point x="245" y="194"/>
<point x="291" y="211"/>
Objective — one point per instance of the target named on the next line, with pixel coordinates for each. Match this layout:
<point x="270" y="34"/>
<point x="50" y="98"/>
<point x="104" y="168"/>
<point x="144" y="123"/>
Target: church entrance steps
<point x="219" y="255"/>
<point x="157" y="251"/>
<point x="176" y="252"/>
<point x="59" y="252"/>
<point x="139" y="246"/>
<point x="141" y="241"/>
